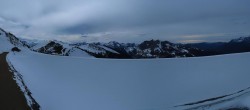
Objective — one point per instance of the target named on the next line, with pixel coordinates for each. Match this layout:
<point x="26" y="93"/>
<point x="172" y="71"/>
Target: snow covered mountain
<point x="146" y="49"/>
<point x="238" y="45"/>
<point x="155" y="49"/>
<point x="8" y="41"/>
<point x="241" y="40"/>
<point x="65" y="49"/>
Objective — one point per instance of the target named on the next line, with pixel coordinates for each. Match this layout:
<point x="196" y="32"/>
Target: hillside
<point x="63" y="83"/>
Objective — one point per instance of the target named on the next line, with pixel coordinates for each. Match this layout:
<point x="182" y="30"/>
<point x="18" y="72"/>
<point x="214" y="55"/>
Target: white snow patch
<point x="92" y="48"/>
<point x="75" y="52"/>
<point x="108" y="49"/>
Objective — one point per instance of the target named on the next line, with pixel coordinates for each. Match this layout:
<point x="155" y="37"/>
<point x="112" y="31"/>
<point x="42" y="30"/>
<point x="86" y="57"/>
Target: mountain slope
<point x="160" y="84"/>
<point x="8" y="41"/>
<point x="5" y="45"/>
<point x="241" y="44"/>
<point x="58" y="48"/>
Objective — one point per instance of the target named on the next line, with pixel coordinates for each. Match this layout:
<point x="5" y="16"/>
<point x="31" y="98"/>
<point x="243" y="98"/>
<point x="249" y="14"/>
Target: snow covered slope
<point x="76" y="52"/>
<point x="8" y="41"/>
<point x="59" y="48"/>
<point x="66" y="83"/>
<point x="5" y="44"/>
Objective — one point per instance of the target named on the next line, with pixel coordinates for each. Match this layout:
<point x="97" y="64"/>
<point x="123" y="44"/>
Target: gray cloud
<point x="127" y="20"/>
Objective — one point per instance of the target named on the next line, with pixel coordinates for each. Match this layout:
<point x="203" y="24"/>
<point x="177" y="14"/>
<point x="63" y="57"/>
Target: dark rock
<point x="15" y="49"/>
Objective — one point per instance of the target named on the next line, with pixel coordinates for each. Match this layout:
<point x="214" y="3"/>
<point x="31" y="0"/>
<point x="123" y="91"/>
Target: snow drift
<point x="71" y="83"/>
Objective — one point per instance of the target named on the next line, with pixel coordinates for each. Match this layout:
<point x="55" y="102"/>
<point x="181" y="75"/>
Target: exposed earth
<point x="11" y="97"/>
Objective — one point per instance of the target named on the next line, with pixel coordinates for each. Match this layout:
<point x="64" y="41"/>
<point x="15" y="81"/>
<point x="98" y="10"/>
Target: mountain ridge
<point x="146" y="49"/>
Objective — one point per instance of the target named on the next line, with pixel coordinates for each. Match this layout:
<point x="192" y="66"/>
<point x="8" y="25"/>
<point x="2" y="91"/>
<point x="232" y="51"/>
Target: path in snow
<point x="11" y="97"/>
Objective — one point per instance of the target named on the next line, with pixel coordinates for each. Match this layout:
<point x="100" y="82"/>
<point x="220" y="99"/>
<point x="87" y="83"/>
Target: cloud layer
<point x="127" y="20"/>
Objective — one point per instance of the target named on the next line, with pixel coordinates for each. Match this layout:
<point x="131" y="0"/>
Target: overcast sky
<point x="127" y="20"/>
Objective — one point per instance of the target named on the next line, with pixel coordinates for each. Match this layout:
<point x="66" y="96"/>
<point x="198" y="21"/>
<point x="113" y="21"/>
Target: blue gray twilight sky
<point x="127" y="20"/>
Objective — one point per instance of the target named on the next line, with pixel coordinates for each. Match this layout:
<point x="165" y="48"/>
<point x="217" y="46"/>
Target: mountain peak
<point x="241" y="39"/>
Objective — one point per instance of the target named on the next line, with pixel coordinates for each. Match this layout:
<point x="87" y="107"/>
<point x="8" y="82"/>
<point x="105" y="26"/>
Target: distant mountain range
<point x="238" y="45"/>
<point x="146" y="49"/>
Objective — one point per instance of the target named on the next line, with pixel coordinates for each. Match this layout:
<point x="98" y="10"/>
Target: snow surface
<point x="66" y="83"/>
<point x="108" y="49"/>
<point x="75" y="52"/>
<point x="91" y="48"/>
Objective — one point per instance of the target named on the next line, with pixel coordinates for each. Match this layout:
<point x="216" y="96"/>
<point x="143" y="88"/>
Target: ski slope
<point x="68" y="83"/>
